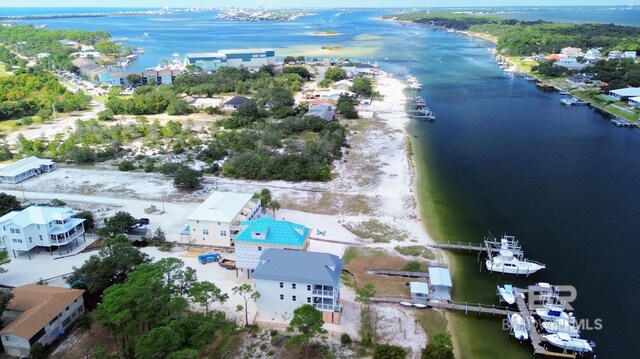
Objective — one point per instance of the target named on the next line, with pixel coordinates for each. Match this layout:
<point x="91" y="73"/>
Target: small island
<point x="326" y="33"/>
<point x="260" y="15"/>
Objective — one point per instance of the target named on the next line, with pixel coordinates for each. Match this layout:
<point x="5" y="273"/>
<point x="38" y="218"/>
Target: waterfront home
<point x="570" y="63"/>
<point x="343" y="85"/>
<point x="25" y="168"/>
<point x="233" y="103"/>
<point x="38" y="314"/>
<point x="287" y="280"/>
<point x="571" y="52"/>
<point x="325" y="111"/>
<point x="39" y="226"/>
<point x="629" y="55"/>
<point x="625" y="93"/>
<point x="554" y="57"/>
<point x="615" y="55"/>
<point x="216" y="222"/>
<point x="440" y="280"/>
<point x="581" y="79"/>
<point x="634" y="101"/>
<point x="260" y="234"/>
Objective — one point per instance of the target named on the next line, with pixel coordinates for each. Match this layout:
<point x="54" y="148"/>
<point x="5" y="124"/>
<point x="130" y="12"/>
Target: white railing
<point x="332" y="307"/>
<point x="328" y="293"/>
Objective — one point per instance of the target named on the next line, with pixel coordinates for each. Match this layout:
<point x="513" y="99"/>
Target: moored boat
<point x="565" y="342"/>
<point x="560" y="325"/>
<point x="518" y="327"/>
<point x="506" y="262"/>
<point x="507" y="293"/>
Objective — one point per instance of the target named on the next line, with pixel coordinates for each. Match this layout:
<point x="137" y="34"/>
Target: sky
<point x="308" y="3"/>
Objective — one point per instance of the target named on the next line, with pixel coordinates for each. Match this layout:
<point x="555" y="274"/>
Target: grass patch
<point x="349" y="254"/>
<point x="432" y="322"/>
<point x="367" y="259"/>
<point x="416" y="251"/>
<point x="377" y="231"/>
<point x="415" y="267"/>
<point x="331" y="204"/>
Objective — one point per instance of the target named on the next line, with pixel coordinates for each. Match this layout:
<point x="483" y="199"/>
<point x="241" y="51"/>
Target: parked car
<point x="143" y="221"/>
<point x="208" y="258"/>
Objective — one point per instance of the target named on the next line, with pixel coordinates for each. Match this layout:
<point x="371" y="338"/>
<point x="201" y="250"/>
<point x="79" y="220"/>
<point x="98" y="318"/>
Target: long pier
<point x="452" y="306"/>
<point x="621" y="122"/>
<point x="398" y="273"/>
<point x="472" y="247"/>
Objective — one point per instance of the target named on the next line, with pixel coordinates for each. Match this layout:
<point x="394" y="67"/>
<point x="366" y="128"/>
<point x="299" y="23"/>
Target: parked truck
<point x="209" y="258"/>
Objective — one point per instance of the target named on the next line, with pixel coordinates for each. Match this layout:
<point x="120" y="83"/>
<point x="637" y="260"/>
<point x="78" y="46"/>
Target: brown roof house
<point x="38" y="314"/>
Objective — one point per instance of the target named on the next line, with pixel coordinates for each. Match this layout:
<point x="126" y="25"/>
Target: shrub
<point x="345" y="339"/>
<point x="105" y="115"/>
<point x="126" y="166"/>
<point x="386" y="351"/>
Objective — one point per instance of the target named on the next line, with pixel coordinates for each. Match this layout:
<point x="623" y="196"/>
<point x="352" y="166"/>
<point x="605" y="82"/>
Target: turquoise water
<point x="502" y="156"/>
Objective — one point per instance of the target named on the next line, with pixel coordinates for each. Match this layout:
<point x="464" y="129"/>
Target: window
<point x="308" y="299"/>
<point x="12" y="230"/>
<point x="259" y="248"/>
<point x="194" y="230"/>
<point x="281" y="283"/>
<point x="218" y="223"/>
<point x="40" y="237"/>
<point x="293" y="286"/>
<point x="197" y="221"/>
<point x="205" y="231"/>
<point x="17" y="231"/>
<point x="308" y="286"/>
<point x="293" y="298"/>
<point x="281" y="296"/>
<point x="38" y="226"/>
<point x="223" y="233"/>
<point x="30" y="241"/>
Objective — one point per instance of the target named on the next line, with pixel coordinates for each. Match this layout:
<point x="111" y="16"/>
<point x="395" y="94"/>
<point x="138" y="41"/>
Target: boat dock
<point x="621" y="122"/>
<point x="473" y="247"/>
<point x="452" y="306"/>
<point x="534" y="334"/>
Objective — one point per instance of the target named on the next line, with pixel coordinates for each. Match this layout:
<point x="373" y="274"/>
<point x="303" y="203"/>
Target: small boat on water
<point x="552" y="312"/>
<point x="507" y="293"/>
<point x="567" y="326"/>
<point x="518" y="326"/>
<point x="565" y="342"/>
<point x="565" y="93"/>
<point x="175" y="54"/>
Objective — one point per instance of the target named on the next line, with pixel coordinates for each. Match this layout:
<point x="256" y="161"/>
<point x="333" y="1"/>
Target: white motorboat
<point x="552" y="312"/>
<point x="560" y="325"/>
<point x="419" y="305"/>
<point x="518" y="326"/>
<point x="565" y="342"/>
<point x="507" y="293"/>
<point x="506" y="262"/>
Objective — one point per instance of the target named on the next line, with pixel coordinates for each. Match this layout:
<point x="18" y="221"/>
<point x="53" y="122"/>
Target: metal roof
<point x="418" y="288"/>
<point x="221" y="207"/>
<point x="206" y="55"/>
<point x="237" y="100"/>
<point x="299" y="267"/>
<point x="244" y="51"/>
<point x="24" y="165"/>
<point x="277" y="232"/>
<point x="37" y="215"/>
<point x="440" y="277"/>
<point x="627" y="92"/>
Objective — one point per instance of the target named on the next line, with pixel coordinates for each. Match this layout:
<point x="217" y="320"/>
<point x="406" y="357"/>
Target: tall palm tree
<point x="274" y="206"/>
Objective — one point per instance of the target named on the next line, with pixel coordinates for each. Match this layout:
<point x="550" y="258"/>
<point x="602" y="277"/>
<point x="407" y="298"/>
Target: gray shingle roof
<point x="299" y="266"/>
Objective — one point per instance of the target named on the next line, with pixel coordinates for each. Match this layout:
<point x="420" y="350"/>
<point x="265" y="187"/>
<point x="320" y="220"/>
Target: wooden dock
<point x="621" y="122"/>
<point x="398" y="273"/>
<point x="534" y="334"/>
<point x="472" y="247"/>
<point x="465" y="308"/>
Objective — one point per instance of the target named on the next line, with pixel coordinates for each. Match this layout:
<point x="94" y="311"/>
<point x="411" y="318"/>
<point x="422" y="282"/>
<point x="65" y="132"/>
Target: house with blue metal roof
<point x="289" y="279"/>
<point x="266" y="232"/>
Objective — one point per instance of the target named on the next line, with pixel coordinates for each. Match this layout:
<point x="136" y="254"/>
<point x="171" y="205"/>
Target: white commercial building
<point x="24" y="169"/>
<point x="39" y="226"/>
<point x="216" y="222"/>
<point x="38" y="314"/>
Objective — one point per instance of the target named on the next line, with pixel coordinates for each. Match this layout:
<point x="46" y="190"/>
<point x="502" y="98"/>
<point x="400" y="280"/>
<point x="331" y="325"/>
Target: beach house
<point x="25" y="168"/>
<point x="572" y="52"/>
<point x="38" y="314"/>
<point x="324" y="111"/>
<point x="570" y="63"/>
<point x="216" y="222"/>
<point x="629" y="55"/>
<point x="233" y="103"/>
<point x="266" y="232"/>
<point x="39" y="226"/>
<point x="614" y="55"/>
<point x="289" y="279"/>
<point x="343" y="85"/>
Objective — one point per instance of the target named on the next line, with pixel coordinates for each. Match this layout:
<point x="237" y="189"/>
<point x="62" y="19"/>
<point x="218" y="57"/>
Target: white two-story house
<point x="39" y="226"/>
<point x="266" y="232"/>
<point x="216" y="222"/>
<point x="38" y="314"/>
<point x="288" y="279"/>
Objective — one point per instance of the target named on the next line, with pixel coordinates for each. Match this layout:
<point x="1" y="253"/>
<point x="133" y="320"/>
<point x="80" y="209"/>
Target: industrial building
<point x="248" y="58"/>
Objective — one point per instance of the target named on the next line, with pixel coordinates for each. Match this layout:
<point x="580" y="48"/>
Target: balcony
<point x="324" y="293"/>
<point x="327" y="307"/>
<point x="66" y="237"/>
